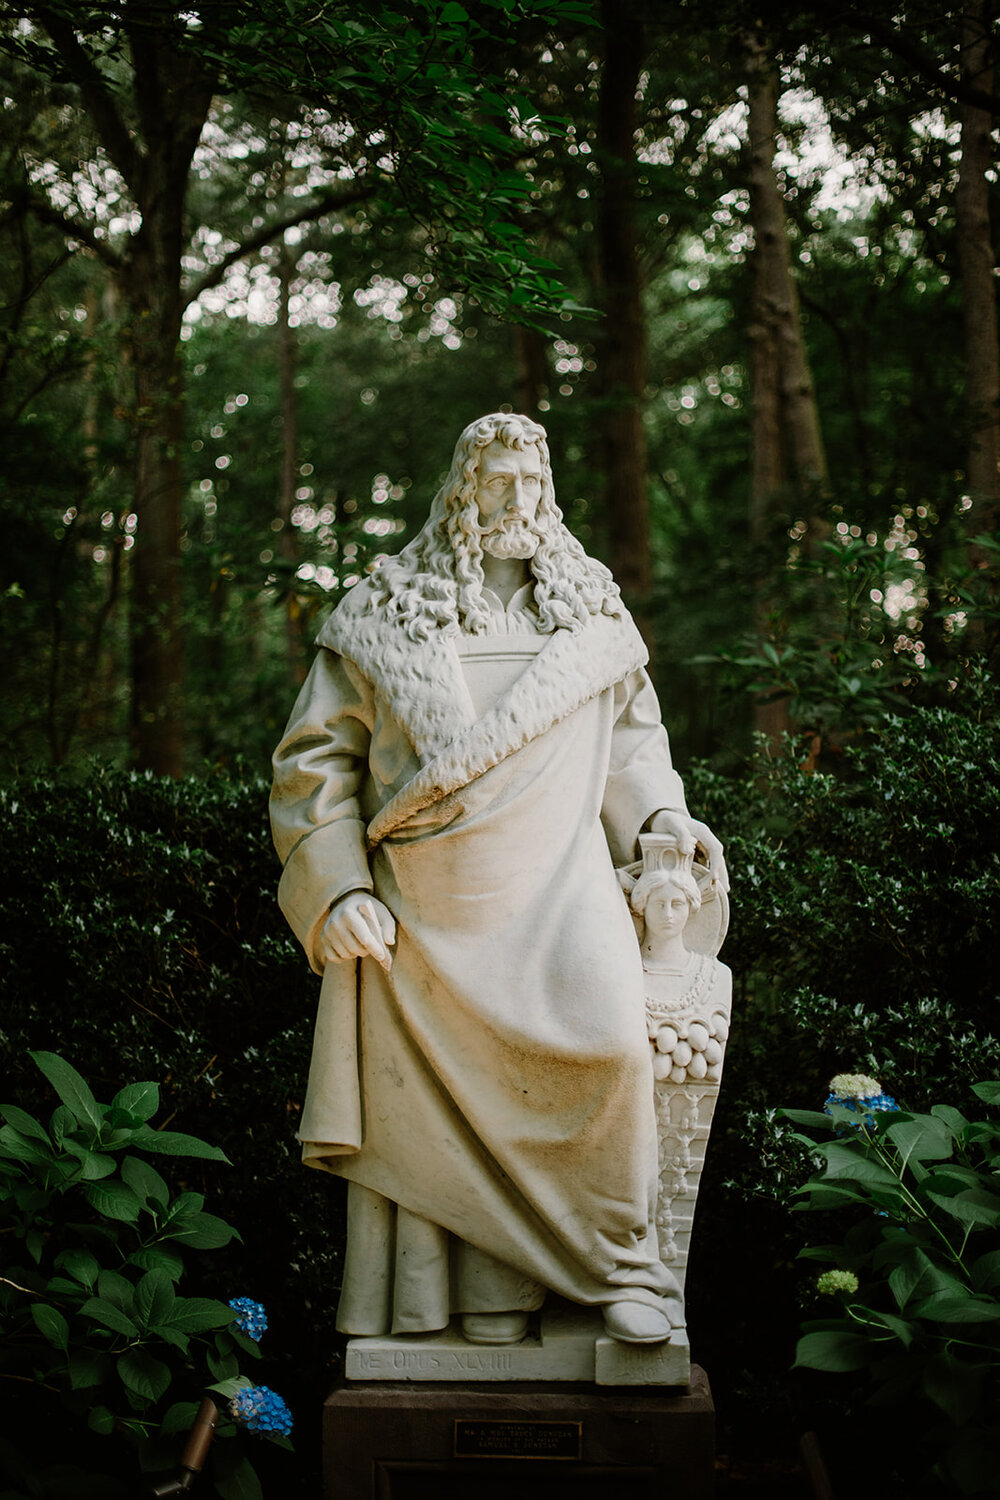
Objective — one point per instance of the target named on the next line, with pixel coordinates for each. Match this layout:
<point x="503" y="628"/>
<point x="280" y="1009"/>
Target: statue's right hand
<point x="358" y="924"/>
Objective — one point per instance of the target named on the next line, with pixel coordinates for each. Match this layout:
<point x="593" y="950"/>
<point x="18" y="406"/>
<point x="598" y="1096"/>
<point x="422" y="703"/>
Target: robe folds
<point x="495" y="1083"/>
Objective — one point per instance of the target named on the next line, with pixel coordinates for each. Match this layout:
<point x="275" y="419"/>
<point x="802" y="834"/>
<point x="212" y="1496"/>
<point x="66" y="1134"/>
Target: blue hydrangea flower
<point x="262" y="1411"/>
<point x="861" y="1095"/>
<point x="250" y="1319"/>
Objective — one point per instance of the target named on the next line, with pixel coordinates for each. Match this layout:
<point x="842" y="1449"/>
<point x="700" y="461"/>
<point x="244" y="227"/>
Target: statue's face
<point x="667" y="910"/>
<point x="508" y="490"/>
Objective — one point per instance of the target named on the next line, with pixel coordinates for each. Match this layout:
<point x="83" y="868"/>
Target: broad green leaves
<point x="71" y="1088"/>
<point x="926" y="1310"/>
<point x="93" y="1309"/>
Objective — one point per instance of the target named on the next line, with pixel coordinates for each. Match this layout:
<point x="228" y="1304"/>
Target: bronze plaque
<point x="486" y="1438"/>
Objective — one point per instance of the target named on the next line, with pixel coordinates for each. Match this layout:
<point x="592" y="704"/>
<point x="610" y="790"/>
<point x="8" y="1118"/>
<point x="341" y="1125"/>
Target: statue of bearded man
<point x="476" y="748"/>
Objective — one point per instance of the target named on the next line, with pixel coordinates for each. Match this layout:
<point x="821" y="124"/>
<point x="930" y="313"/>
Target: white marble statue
<point x="688" y="1008"/>
<point x="476" y="749"/>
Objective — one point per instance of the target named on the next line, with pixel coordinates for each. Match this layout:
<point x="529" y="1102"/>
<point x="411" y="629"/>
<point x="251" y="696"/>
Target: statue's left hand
<point x="679" y="824"/>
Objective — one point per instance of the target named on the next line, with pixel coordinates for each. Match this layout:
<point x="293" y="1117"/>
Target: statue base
<point x="564" y="1343"/>
<point x="406" y="1441"/>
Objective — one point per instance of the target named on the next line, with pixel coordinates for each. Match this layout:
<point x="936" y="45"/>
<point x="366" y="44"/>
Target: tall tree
<point x="977" y="264"/>
<point x="788" y="462"/>
<point x="622" y="337"/>
<point x="410" y="132"/>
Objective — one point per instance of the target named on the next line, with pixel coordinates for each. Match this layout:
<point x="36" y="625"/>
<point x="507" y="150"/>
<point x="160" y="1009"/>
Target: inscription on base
<point x="507" y="1439"/>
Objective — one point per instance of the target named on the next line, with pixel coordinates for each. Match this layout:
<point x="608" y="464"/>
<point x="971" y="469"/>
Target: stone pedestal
<point x="565" y="1343"/>
<point x="420" y="1441"/>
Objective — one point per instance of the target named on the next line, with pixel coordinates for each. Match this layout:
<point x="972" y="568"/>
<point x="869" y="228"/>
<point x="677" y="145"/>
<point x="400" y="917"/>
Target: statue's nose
<point x="516" y="502"/>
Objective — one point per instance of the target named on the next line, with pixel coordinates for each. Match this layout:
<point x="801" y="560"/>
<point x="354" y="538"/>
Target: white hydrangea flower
<point x="854" y="1086"/>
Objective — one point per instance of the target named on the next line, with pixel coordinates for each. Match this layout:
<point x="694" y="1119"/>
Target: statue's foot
<point x="636" y="1323"/>
<point x="495" y="1327"/>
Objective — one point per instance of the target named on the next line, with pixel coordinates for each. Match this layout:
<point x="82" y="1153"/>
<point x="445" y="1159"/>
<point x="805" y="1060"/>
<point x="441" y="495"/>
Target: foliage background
<point x="326" y="372"/>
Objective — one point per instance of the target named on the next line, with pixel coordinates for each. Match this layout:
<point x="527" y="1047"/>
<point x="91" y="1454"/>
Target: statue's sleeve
<point x="641" y="779"/>
<point x="316" y="816"/>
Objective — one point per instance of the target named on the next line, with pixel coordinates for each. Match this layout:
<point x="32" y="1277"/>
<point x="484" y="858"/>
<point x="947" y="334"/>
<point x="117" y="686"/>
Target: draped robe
<point x="495" y="1084"/>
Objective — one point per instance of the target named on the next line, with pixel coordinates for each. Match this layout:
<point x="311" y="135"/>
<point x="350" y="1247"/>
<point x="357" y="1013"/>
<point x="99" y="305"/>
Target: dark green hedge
<point x="140" y="938"/>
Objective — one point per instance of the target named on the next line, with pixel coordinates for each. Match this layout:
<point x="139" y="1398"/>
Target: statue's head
<point x="499" y="488"/>
<point x="498" y="498"/>
<point x="665" y="899"/>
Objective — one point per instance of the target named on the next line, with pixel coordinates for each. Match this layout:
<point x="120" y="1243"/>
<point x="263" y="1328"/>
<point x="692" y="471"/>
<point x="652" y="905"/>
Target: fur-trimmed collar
<point x="423" y="687"/>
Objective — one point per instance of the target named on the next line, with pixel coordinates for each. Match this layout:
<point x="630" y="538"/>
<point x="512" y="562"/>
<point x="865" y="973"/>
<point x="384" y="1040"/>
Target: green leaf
<point x="832" y="1351"/>
<point x="918" y="1273"/>
<point x="100" y="1419"/>
<point x="118" y="1290"/>
<point x="145" y="1181"/>
<point x="63" y="1124"/>
<point x="952" y="1117"/>
<point x="186" y="1204"/>
<point x="988" y="1092"/>
<point x="973" y="1206"/>
<point x="140" y="1100"/>
<point x="952" y="1386"/>
<point x="51" y="1324"/>
<point x="203" y="1232"/>
<point x="18" y="1147"/>
<point x="943" y="1307"/>
<point x="142" y="1373"/>
<point x="222" y="1366"/>
<point x="922" y="1137"/>
<point x="179" y="1417"/>
<point x="93" y="1164"/>
<point x="170" y="1336"/>
<point x="158" y="1257"/>
<point x="154" y="1298"/>
<point x="898" y="1326"/>
<point x="61" y="1286"/>
<point x="228" y="1388"/>
<point x="87" y="1369"/>
<point x="986" y="1271"/>
<point x="80" y="1264"/>
<point x="241" y="1484"/>
<point x="109" y="1316"/>
<point x="72" y="1089"/>
<point x="115" y="1200"/>
<point x="196" y="1314"/>
<point x="828" y="1195"/>
<point x="844" y="1160"/>
<point x="173" y="1143"/>
<point x="813" y="1118"/>
<point x="24" y="1123"/>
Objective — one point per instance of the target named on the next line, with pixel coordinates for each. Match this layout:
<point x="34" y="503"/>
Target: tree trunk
<point x="532" y="377"/>
<point x="153" y="295"/>
<point x="622" y="362"/>
<point x="173" y="94"/>
<point x="976" y="264"/>
<point x="786" y="419"/>
<point x="788" y="463"/>
<point x="296" y="619"/>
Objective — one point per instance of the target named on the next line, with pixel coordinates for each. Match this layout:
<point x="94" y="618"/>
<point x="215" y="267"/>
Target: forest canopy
<point x="263" y="262"/>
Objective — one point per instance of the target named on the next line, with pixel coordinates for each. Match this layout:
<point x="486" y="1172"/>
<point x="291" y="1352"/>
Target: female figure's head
<point x="665" y="899"/>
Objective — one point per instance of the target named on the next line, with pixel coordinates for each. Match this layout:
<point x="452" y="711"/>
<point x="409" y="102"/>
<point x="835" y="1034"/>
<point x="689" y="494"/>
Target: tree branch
<point x="74" y="228"/>
<point x="268" y="233"/>
<point x="923" y="63"/>
<point x="147" y="90"/>
<point x="96" y="95"/>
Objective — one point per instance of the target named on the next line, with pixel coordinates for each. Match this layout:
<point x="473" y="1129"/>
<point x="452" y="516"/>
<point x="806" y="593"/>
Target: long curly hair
<point x="436" y="582"/>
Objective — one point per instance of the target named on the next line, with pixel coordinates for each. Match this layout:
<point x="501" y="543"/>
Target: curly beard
<point x="512" y="537"/>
